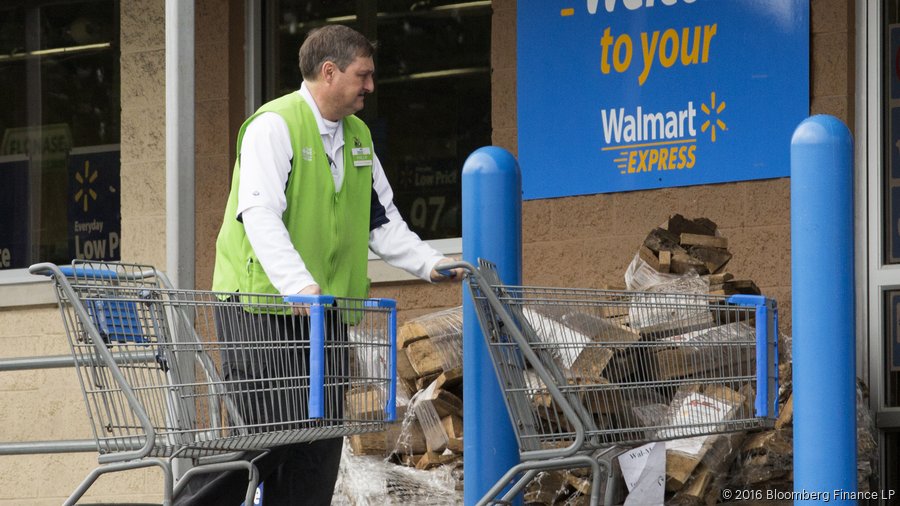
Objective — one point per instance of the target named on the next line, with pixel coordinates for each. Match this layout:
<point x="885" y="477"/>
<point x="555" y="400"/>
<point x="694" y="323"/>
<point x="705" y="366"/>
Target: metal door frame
<point x="874" y="277"/>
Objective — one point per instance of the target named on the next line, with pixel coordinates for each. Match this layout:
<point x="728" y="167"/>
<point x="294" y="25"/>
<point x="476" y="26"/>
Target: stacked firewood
<point x="692" y="246"/>
<point x="633" y="339"/>
<point x="429" y="429"/>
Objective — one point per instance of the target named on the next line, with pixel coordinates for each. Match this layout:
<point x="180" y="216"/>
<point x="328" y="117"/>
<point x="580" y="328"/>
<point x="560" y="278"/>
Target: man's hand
<point x="438" y="275"/>
<point x="301" y="309"/>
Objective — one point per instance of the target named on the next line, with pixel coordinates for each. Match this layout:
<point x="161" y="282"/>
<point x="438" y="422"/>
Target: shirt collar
<point x="324" y="128"/>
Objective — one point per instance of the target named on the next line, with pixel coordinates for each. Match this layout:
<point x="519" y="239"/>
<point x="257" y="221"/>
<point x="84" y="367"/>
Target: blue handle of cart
<point x="85" y="272"/>
<point x="317" y="305"/>
<point x="766" y="403"/>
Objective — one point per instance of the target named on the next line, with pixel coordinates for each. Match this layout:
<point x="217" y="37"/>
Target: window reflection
<point x="59" y="69"/>
<point x="431" y="106"/>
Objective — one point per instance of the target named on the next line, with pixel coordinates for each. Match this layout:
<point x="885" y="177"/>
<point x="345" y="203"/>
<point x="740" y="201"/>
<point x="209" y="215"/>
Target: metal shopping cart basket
<point x="585" y="371"/>
<point x="210" y="376"/>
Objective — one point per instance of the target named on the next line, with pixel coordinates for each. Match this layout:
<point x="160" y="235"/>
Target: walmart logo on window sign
<point x="646" y="141"/>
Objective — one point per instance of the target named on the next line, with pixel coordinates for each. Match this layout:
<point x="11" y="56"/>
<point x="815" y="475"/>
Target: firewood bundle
<point x="429" y="429"/>
<point x="690" y="246"/>
<point x="638" y="365"/>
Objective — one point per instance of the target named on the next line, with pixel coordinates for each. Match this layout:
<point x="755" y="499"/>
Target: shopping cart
<point x="586" y="372"/>
<point x="183" y="374"/>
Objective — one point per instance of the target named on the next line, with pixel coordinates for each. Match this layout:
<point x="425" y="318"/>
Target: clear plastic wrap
<point x="436" y="437"/>
<point x="374" y="481"/>
<point x="444" y="329"/>
<point x="641" y="276"/>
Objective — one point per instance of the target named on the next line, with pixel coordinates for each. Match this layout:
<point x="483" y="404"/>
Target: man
<point x="308" y="198"/>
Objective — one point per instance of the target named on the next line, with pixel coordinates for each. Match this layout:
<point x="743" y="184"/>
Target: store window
<point x="891" y="178"/>
<point x="59" y="131"/>
<point x="432" y="102"/>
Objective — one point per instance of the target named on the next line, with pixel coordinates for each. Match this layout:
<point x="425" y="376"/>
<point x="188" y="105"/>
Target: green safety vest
<point x="329" y="229"/>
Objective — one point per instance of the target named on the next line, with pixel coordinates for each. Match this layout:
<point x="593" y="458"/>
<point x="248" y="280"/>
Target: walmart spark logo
<point x="712" y="123"/>
<point x="85" y="194"/>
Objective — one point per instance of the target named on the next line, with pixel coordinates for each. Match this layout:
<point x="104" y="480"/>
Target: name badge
<point x="361" y="151"/>
<point x="362" y="163"/>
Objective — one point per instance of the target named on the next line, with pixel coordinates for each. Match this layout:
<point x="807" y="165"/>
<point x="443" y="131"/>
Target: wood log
<point x="719" y="278"/>
<point x="649" y="257"/>
<point x="546" y="488"/>
<point x="395" y="438"/>
<point x="410" y="460"/>
<point x="409" y="333"/>
<point x="745" y="286"/>
<point x="607" y="337"/>
<point x="665" y="262"/>
<point x="678" y="225"/>
<point x="579" y="483"/>
<point x="448" y="380"/>
<point x="709" y="241"/>
<point x="445" y="403"/>
<point x="735" y="287"/>
<point x="366" y="403"/>
<point x="786" y="416"/>
<point x="404" y="367"/>
<point x="683" y="359"/>
<point x="776" y="444"/>
<point x="423" y="382"/>
<point x="713" y="259"/>
<point x="660" y="239"/>
<point x="370" y="443"/>
<point x="453" y="426"/>
<point x="424" y="358"/>
<point x="710" y="475"/>
<point x="694" y="491"/>
<point x="684" y="263"/>
<point x="455" y="445"/>
<point x="406" y="440"/>
<point x="430" y="460"/>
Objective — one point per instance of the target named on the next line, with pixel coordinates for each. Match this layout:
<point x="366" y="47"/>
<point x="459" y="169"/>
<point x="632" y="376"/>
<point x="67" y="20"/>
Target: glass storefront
<point x="432" y="102"/>
<point x="883" y="275"/>
<point x="59" y="131"/>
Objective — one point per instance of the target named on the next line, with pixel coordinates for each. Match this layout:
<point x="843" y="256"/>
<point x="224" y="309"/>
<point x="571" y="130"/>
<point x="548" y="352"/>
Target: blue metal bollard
<point x="492" y="229"/>
<point x="824" y="353"/>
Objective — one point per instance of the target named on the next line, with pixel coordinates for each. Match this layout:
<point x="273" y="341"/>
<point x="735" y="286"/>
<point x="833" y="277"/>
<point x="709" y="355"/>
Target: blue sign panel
<point x="894" y="331"/>
<point x="94" y="215"/>
<point x="895" y="143"/>
<point x="894" y="224"/>
<point x="895" y="61"/>
<point x="620" y="95"/>
<point x="14" y="218"/>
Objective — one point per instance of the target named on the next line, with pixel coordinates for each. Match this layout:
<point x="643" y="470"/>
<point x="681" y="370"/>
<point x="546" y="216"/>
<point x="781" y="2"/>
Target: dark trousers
<point x="267" y="381"/>
<point x="297" y="474"/>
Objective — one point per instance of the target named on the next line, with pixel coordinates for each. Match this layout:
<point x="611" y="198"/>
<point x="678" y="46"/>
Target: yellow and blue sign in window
<point x="620" y="95"/>
<point x="94" y="203"/>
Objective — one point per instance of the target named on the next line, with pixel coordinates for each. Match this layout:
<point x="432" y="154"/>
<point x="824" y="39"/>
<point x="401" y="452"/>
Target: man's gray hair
<point x="335" y="43"/>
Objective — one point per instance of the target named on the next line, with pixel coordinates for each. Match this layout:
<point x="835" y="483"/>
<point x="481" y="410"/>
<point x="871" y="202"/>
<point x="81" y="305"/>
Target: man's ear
<point x="328" y="71"/>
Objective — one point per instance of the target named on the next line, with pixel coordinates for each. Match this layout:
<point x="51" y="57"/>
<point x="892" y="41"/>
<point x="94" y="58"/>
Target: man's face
<point x="350" y="87"/>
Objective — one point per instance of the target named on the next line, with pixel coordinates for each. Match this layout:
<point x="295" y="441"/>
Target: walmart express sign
<point x="619" y="95"/>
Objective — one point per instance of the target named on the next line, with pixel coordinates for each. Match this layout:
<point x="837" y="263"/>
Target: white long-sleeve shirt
<point x="265" y="166"/>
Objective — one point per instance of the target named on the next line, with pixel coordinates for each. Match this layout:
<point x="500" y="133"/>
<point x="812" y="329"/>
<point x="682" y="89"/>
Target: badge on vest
<point x="362" y="157"/>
